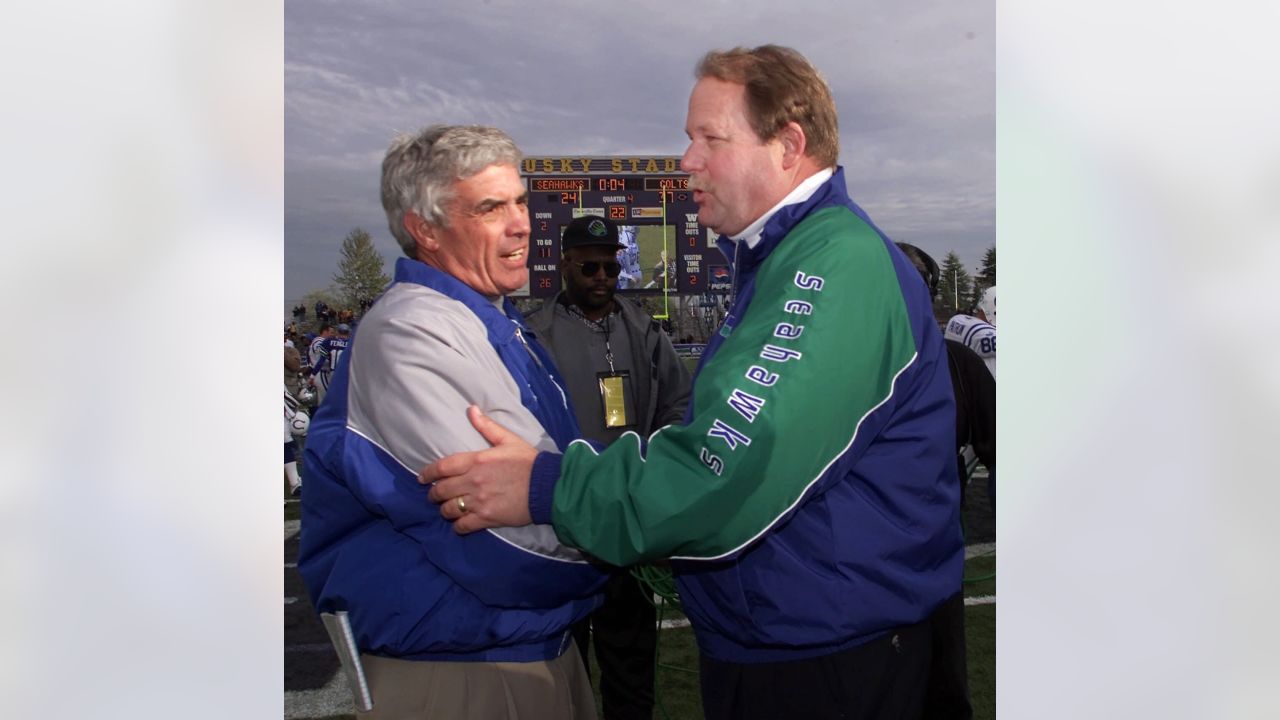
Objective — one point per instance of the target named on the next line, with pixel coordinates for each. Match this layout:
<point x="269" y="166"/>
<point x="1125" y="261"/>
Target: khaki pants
<point x="546" y="689"/>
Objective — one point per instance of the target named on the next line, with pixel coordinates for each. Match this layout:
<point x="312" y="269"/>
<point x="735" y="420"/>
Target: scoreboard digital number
<point x="665" y="250"/>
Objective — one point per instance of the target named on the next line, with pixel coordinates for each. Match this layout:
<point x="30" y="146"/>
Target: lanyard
<point x="600" y="326"/>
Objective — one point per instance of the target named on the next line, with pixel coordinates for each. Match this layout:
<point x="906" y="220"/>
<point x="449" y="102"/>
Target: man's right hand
<point x="484" y="488"/>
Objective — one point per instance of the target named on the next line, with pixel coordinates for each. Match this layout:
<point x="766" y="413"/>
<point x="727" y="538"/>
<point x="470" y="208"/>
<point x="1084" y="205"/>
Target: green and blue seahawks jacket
<point x="809" y="501"/>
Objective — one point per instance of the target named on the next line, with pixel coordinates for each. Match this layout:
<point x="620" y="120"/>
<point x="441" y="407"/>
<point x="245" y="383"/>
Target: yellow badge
<point x="613" y="396"/>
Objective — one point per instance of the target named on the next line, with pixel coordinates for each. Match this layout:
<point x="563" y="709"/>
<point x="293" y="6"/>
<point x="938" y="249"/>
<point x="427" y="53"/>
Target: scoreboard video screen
<point x="664" y="248"/>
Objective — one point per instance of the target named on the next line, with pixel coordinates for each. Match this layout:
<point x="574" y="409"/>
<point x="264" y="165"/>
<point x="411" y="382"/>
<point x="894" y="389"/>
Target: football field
<point x="314" y="686"/>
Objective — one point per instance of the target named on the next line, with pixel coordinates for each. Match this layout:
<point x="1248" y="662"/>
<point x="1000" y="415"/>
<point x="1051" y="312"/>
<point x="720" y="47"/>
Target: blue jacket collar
<point x="832" y="192"/>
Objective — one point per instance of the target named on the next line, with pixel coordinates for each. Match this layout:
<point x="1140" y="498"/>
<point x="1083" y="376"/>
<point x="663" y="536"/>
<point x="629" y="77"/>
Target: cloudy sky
<point x="914" y="84"/>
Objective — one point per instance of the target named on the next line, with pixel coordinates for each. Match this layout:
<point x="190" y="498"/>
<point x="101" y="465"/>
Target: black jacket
<point x="665" y="386"/>
<point x="975" y="392"/>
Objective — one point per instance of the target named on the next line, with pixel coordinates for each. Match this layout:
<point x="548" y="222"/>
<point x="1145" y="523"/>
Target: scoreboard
<point x="666" y="251"/>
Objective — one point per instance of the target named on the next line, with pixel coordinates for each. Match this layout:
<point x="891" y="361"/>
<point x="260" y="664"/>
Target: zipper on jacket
<point x="564" y="398"/>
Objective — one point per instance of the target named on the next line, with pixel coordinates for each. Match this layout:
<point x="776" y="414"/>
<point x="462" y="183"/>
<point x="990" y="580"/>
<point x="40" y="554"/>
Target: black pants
<point x="625" y="633"/>
<point x="947" y="695"/>
<point x="884" y="679"/>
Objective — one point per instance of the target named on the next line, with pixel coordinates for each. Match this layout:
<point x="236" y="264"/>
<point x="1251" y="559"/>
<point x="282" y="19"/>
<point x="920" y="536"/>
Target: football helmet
<point x="299" y="423"/>
<point x="988" y="304"/>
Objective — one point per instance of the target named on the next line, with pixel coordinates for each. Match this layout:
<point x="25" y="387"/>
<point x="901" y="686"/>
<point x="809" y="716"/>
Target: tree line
<point x="360" y="279"/>
<point x="958" y="291"/>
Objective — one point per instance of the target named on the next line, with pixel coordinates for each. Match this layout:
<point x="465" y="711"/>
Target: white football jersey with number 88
<point x="979" y="336"/>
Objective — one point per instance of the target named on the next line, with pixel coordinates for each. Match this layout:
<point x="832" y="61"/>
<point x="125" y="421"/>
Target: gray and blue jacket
<point x="374" y="545"/>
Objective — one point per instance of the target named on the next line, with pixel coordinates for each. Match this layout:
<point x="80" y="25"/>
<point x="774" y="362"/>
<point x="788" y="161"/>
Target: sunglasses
<point x="591" y="267"/>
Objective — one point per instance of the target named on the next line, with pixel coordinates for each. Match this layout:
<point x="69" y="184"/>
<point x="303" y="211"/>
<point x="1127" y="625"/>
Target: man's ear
<point x="793" y="142"/>
<point x="421" y="231"/>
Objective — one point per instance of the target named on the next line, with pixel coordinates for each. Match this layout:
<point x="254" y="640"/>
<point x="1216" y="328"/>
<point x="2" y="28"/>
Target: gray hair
<point x="419" y="170"/>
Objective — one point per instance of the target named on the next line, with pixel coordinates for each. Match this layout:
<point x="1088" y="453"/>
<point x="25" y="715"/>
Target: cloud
<point x="914" y="86"/>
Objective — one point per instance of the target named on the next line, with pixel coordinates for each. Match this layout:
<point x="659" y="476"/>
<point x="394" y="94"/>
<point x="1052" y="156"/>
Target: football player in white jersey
<point x="296" y="422"/>
<point x="334" y="347"/>
<point x="978" y="331"/>
<point x="629" y="258"/>
<point x="317" y="360"/>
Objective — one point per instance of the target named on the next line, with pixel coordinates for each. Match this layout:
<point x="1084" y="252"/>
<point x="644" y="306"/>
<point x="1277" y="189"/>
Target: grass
<point x="979" y="575"/>
<point x="980" y="642"/>
<point x="652" y="243"/>
<point x="676" y="692"/>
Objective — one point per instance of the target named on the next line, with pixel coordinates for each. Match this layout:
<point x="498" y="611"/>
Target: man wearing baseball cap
<point x="623" y="375"/>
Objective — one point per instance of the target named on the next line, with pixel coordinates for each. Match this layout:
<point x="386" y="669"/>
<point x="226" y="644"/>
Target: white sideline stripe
<point x="291" y="528"/>
<point x="290" y="600"/>
<point x="291" y="565"/>
<point x="980" y="600"/>
<point x="979" y="549"/>
<point x="677" y="623"/>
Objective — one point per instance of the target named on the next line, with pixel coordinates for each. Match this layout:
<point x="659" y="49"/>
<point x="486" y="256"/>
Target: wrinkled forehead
<point x="492" y="184"/>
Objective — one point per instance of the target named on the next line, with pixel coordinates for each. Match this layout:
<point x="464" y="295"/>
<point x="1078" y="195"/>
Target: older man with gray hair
<point x="447" y="626"/>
